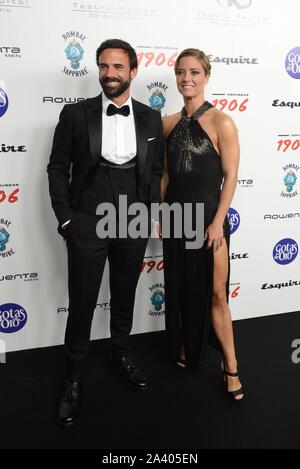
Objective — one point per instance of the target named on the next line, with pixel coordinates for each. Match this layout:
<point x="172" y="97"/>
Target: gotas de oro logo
<point x="74" y="54"/>
<point x="285" y="251"/>
<point x="5" y="251"/>
<point x="3" y="102"/>
<point x="234" y="219"/>
<point x="13" y="317"/>
<point x="157" y="99"/>
<point x="292" y="63"/>
<point x="157" y="299"/>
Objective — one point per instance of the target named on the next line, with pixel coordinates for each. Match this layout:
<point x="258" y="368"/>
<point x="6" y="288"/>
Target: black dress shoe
<point x="69" y="404"/>
<point x="131" y="375"/>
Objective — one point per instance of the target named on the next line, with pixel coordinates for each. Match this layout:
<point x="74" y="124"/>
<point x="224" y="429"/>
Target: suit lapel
<point x="94" y="123"/>
<point x="140" y="120"/>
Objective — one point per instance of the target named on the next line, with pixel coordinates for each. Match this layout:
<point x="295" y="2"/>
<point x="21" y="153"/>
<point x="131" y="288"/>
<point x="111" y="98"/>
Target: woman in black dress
<point x="201" y="165"/>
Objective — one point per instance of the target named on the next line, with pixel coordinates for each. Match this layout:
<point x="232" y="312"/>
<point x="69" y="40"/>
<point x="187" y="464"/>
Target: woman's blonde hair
<point x="199" y="55"/>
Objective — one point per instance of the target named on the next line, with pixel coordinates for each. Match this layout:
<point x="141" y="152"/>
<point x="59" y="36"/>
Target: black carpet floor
<point x="182" y="409"/>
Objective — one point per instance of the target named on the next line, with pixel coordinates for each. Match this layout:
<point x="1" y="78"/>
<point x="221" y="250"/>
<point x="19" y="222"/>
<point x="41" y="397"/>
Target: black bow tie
<point x="112" y="110"/>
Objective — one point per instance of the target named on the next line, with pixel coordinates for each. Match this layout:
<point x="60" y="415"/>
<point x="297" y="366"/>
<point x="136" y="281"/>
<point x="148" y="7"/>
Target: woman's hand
<point x="214" y="236"/>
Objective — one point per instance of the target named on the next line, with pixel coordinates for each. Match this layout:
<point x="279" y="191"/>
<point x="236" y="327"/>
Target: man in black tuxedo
<point x="103" y="147"/>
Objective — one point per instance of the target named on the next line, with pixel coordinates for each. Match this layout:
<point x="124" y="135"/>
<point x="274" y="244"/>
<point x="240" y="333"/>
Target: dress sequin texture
<point x="184" y="141"/>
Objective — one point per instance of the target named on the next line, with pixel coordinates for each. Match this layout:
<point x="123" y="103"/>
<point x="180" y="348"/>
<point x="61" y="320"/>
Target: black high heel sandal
<point x="232" y="394"/>
<point x="181" y="363"/>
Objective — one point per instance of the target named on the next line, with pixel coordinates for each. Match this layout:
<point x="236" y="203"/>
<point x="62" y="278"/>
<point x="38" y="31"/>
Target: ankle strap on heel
<point x="233" y="375"/>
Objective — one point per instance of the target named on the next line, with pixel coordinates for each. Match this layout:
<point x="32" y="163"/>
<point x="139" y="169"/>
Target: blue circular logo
<point x="234" y="219"/>
<point x="158" y="299"/>
<point x="12" y="318"/>
<point x="157" y="100"/>
<point x="285" y="251"/>
<point x="292" y="63"/>
<point x="3" y="102"/>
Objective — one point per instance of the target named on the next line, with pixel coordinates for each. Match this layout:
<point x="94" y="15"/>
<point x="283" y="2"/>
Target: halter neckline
<point x="201" y="110"/>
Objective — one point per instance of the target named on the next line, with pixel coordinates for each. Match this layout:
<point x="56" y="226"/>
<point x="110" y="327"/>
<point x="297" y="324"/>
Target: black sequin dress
<point x="195" y="175"/>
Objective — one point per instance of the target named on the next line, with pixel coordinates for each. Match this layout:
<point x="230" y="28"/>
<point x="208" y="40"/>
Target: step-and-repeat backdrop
<point x="254" y="49"/>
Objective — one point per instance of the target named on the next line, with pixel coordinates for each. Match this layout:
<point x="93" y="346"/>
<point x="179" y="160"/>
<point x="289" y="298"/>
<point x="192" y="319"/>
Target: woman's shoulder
<point x="169" y="122"/>
<point x="222" y="121"/>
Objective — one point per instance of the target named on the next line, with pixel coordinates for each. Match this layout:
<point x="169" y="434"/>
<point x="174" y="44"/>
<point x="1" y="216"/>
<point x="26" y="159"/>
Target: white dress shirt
<point x="118" y="134"/>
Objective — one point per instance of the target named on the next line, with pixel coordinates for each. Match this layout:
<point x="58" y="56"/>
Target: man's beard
<point x="116" y="91"/>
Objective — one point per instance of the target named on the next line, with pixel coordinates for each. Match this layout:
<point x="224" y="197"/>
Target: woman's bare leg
<point x="221" y="316"/>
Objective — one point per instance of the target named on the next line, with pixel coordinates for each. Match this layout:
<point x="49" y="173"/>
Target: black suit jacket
<point x="77" y="147"/>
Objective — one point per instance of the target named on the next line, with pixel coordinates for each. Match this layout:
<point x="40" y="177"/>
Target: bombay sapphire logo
<point x="13" y="317"/>
<point x="3" y="102"/>
<point x="4" y="238"/>
<point x="157" y="299"/>
<point x="234" y="219"/>
<point x="5" y="250"/>
<point x="285" y="251"/>
<point x="157" y="99"/>
<point x="289" y="180"/>
<point x="292" y="63"/>
<point x="74" y="53"/>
